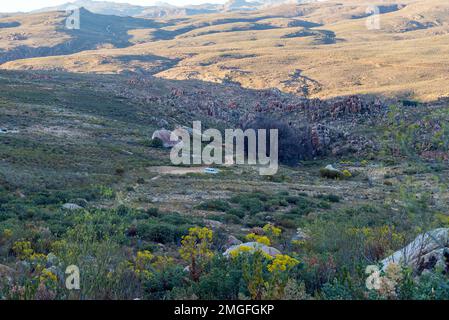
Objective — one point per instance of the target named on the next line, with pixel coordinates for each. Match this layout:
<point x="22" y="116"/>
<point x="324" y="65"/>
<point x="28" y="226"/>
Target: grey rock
<point x="428" y="251"/>
<point x="232" y="241"/>
<point x="255" y="246"/>
<point x="71" y="206"/>
<point x="213" y="224"/>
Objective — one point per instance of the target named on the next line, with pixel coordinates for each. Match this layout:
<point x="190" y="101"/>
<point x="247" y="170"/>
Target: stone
<point x="165" y="137"/>
<point x="71" y="206"/>
<point x="213" y="224"/>
<point x="232" y="241"/>
<point x="428" y="251"/>
<point x="254" y="246"/>
<point x="331" y="173"/>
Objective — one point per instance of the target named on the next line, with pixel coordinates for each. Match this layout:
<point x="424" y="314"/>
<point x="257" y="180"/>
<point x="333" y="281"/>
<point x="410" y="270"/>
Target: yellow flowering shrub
<point x="272" y="230"/>
<point x="58" y="246"/>
<point x="241" y="249"/>
<point x="48" y="277"/>
<point x="195" y="249"/>
<point x="162" y="262"/>
<point x="347" y="173"/>
<point x="282" y="262"/>
<point x="260" y="239"/>
<point x="7" y="233"/>
<point x="378" y="241"/>
<point x="443" y="219"/>
<point x="142" y="264"/>
<point x="23" y="249"/>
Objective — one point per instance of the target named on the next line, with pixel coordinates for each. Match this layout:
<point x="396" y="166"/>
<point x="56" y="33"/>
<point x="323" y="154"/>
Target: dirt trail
<point x="176" y="170"/>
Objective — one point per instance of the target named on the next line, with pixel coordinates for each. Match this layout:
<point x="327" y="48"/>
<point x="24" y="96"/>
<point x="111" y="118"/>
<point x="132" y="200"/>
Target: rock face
<point x="427" y="251"/>
<point x="254" y="246"/>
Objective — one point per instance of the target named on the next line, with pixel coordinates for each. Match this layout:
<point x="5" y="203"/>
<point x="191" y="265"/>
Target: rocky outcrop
<point x="428" y="251"/>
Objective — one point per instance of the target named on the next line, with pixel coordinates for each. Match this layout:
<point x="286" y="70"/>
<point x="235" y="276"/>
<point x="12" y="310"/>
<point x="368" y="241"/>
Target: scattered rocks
<point x="17" y="36"/>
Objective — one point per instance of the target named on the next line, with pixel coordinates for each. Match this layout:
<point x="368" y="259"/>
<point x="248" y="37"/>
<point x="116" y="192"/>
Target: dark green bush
<point x="159" y="232"/>
<point x="329" y="197"/>
<point x="214" y="205"/>
<point x="236" y="212"/>
<point x="155" y="143"/>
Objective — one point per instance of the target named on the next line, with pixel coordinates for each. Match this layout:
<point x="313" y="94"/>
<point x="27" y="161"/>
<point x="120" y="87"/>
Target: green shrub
<point x="329" y="197"/>
<point x="155" y="143"/>
<point x="123" y="210"/>
<point x="331" y="174"/>
<point x="214" y="205"/>
<point x="160" y="232"/>
<point x="152" y="212"/>
<point x="230" y="218"/>
<point x="236" y="212"/>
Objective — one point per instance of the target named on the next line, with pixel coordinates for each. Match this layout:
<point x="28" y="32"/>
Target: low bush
<point x="214" y="205"/>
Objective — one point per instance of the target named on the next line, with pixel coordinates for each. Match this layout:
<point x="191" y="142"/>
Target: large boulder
<point x="165" y="136"/>
<point x="428" y="251"/>
<point x="253" y="247"/>
<point x="331" y="173"/>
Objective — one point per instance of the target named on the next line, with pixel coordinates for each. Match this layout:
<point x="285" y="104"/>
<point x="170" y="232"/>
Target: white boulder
<point x="427" y="251"/>
<point x="254" y="246"/>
